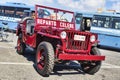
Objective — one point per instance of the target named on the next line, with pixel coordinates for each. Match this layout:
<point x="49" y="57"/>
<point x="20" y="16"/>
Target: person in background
<point x="33" y="14"/>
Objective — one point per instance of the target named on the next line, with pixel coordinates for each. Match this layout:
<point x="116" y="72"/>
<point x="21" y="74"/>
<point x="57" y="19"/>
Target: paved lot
<point x="17" y="67"/>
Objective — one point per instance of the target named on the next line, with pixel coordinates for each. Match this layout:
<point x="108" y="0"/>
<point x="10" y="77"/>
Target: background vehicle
<point x="107" y="26"/>
<point x="52" y="33"/>
<point x="11" y="13"/>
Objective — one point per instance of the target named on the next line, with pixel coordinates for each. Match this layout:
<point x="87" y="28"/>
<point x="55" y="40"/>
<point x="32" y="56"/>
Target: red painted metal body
<point x="80" y="57"/>
<point x="49" y="29"/>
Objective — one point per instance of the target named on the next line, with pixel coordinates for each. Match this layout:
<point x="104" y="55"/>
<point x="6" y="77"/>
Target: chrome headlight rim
<point x="92" y="38"/>
<point x="63" y="35"/>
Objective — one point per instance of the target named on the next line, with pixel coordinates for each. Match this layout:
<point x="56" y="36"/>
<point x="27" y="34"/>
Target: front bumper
<point x="81" y="57"/>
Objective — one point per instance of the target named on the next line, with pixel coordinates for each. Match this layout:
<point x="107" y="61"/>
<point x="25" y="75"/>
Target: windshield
<point x="54" y="17"/>
<point x="54" y="14"/>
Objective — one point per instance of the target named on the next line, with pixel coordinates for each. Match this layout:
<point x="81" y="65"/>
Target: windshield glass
<point x="101" y="21"/>
<point x="53" y="17"/>
<point x="7" y="11"/>
<point x="54" y="14"/>
<point x="15" y="12"/>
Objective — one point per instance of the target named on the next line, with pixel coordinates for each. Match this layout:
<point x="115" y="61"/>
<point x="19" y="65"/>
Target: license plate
<point x="79" y="37"/>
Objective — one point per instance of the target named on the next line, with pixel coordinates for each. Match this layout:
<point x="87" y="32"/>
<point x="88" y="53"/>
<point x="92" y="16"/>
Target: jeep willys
<point x="52" y="34"/>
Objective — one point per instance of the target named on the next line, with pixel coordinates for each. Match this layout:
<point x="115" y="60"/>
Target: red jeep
<point x="52" y="33"/>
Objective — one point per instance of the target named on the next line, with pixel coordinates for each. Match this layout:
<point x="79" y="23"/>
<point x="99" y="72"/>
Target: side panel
<point x="110" y="41"/>
<point x="107" y="37"/>
<point x="30" y="40"/>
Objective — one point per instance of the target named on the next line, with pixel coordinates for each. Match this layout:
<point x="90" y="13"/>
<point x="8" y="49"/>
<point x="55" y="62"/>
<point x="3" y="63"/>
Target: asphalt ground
<point x="18" y="67"/>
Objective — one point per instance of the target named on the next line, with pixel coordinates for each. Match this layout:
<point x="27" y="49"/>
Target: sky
<point x="75" y="5"/>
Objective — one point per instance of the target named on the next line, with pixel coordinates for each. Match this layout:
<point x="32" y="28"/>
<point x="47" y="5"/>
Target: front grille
<point x="77" y="44"/>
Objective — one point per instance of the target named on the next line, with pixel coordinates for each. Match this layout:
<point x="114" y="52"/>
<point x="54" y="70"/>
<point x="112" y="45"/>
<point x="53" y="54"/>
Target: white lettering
<point x="54" y="24"/>
<point x="9" y="19"/>
<point x="66" y="25"/>
<point x="46" y="22"/>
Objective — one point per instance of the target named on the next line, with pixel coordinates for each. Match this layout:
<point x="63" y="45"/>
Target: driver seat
<point x="30" y="26"/>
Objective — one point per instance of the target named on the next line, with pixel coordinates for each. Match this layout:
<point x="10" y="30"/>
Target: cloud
<point x="113" y="5"/>
<point x="87" y="5"/>
<point x="113" y="0"/>
<point x="116" y="6"/>
<point x="74" y="5"/>
<point x="32" y="2"/>
<point x="29" y="2"/>
<point x="4" y="1"/>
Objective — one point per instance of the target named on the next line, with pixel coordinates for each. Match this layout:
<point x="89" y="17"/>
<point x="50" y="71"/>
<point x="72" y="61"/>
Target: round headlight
<point x="92" y="38"/>
<point x="63" y="34"/>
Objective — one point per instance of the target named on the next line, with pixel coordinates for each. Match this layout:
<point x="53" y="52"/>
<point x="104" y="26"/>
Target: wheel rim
<point x="41" y="59"/>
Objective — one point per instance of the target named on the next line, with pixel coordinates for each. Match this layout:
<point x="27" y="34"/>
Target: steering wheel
<point x="43" y="12"/>
<point x="46" y="13"/>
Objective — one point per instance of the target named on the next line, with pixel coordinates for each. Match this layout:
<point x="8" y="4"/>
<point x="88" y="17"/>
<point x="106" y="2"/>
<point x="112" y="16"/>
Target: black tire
<point x="92" y="67"/>
<point x="44" y="59"/>
<point x="20" y="45"/>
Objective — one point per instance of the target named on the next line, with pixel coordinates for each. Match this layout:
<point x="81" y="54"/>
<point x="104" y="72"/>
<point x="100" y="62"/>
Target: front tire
<point x="92" y="67"/>
<point x="20" y="45"/>
<point x="44" y="59"/>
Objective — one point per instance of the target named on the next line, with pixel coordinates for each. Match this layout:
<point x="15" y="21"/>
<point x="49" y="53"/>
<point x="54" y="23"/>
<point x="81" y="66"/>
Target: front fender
<point x="49" y="35"/>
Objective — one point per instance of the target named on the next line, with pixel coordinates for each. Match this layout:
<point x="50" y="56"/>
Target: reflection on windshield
<point x="106" y="22"/>
<point x="116" y="23"/>
<point x="101" y="21"/>
<point x="54" y="15"/>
